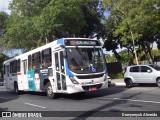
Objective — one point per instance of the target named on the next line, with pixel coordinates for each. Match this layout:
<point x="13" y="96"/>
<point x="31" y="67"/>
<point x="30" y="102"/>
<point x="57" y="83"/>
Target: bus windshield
<point x="85" y="60"/>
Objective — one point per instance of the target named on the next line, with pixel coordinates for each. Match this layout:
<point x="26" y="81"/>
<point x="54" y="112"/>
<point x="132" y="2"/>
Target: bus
<point x="66" y="65"/>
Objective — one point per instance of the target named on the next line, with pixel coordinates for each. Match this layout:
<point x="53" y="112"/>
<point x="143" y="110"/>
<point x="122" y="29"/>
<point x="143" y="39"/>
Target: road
<point x="113" y="99"/>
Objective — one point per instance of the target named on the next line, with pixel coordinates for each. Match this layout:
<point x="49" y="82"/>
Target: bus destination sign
<point x="82" y="43"/>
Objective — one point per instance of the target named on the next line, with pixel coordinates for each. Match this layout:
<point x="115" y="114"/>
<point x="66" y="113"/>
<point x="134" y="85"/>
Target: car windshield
<point x="156" y="67"/>
<point x="85" y="60"/>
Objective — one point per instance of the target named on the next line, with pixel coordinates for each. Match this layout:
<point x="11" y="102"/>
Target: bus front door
<point x="60" y="72"/>
<point x="24" y="74"/>
<point x="7" y="76"/>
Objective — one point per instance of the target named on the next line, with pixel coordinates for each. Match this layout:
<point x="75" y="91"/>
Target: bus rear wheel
<point x="16" y="90"/>
<point x="49" y="91"/>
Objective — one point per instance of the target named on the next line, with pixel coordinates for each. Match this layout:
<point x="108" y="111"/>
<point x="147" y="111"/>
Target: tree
<point x="112" y="41"/>
<point x="93" y="15"/>
<point x="3" y="57"/>
<point x="32" y="23"/>
<point x="3" y="18"/>
<point x="136" y="20"/>
<point x="61" y="19"/>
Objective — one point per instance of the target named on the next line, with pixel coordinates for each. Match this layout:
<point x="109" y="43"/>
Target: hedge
<point x="116" y="75"/>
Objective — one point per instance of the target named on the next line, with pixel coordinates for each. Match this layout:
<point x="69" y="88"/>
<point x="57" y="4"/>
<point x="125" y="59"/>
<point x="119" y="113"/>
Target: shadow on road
<point x="97" y="112"/>
<point x="145" y="85"/>
<point x="94" y="94"/>
<point x="88" y="95"/>
<point x="100" y="111"/>
<point x="6" y="96"/>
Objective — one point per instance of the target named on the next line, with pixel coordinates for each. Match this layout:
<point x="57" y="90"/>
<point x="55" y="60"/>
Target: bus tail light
<point x="73" y="80"/>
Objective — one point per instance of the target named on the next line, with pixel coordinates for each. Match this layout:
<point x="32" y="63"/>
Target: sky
<point x="4" y="5"/>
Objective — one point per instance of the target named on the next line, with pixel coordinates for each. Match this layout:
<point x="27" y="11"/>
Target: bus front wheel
<point x="49" y="91"/>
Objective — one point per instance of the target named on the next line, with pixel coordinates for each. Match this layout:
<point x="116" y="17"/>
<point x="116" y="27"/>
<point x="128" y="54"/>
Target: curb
<point x="117" y="84"/>
<point x="120" y="84"/>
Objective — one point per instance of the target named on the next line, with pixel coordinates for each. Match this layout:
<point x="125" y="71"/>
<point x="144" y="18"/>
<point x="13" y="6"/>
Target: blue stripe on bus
<point x="68" y="73"/>
<point x="60" y="41"/>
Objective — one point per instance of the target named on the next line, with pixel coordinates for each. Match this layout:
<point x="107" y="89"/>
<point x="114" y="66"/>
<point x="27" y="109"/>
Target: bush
<point x="116" y="75"/>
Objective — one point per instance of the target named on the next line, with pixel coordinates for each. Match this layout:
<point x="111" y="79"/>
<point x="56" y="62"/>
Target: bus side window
<point x="36" y="60"/>
<point x="13" y="66"/>
<point x="46" y="58"/>
<point x="29" y="62"/>
<point x="18" y="65"/>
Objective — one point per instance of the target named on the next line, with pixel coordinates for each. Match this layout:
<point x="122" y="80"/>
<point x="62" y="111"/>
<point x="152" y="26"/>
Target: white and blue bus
<point x="67" y="65"/>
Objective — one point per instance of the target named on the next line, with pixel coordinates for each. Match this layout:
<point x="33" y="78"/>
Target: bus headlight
<point x="73" y="80"/>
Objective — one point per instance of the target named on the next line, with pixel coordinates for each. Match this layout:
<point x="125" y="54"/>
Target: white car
<point x="142" y="74"/>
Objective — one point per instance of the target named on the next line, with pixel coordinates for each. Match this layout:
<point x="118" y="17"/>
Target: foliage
<point x="156" y="52"/>
<point x="3" y="18"/>
<point x="110" y="58"/>
<point x="134" y="20"/>
<point x="116" y="75"/>
<point x="126" y="57"/>
<point x="2" y="59"/>
<point x="32" y="22"/>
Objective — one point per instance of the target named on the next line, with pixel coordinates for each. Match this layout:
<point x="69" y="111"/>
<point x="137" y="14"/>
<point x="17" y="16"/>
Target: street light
<point x="135" y="53"/>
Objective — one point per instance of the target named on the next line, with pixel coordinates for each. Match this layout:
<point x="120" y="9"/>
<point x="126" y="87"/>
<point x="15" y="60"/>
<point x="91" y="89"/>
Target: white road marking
<point x="34" y="105"/>
<point x="4" y="98"/>
<point x="143" y="101"/>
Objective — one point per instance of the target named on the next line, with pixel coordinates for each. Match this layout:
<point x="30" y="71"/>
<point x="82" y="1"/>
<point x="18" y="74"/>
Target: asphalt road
<point x="113" y="101"/>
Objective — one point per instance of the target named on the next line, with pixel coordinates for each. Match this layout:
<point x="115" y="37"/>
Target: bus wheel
<point x="49" y="91"/>
<point x="16" y="90"/>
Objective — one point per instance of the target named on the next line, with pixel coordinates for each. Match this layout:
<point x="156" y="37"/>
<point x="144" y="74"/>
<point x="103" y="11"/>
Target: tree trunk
<point x="151" y="57"/>
<point x="38" y="42"/>
<point x="118" y="57"/>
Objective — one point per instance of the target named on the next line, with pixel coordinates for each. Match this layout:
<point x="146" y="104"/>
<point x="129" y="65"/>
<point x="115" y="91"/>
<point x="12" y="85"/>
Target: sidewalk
<point x="118" y="82"/>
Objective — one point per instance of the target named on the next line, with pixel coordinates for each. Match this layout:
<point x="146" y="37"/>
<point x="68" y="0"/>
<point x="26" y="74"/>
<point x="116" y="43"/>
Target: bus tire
<point x="16" y="90"/>
<point x="49" y="91"/>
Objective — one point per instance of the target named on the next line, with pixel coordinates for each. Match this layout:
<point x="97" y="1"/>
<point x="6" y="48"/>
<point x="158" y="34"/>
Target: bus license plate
<point x="92" y="89"/>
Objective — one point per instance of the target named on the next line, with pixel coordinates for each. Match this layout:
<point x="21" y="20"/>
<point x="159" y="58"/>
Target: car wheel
<point x="158" y="82"/>
<point x="129" y="83"/>
<point x="49" y="91"/>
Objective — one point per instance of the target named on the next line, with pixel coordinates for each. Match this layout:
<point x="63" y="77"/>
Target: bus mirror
<point x="64" y="54"/>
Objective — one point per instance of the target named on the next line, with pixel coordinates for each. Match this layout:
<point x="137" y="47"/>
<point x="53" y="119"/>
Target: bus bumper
<point x="72" y="88"/>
